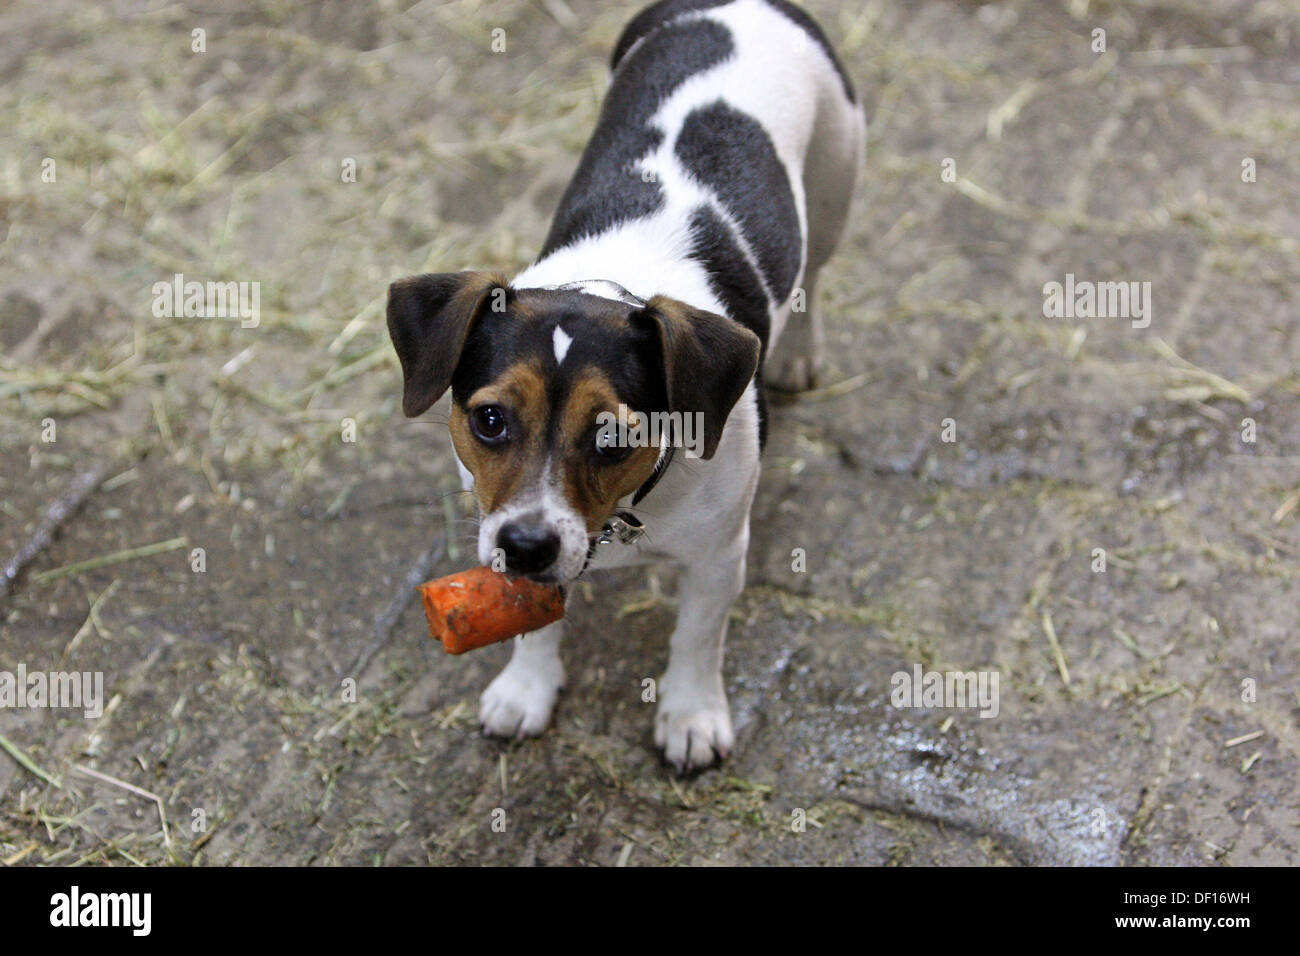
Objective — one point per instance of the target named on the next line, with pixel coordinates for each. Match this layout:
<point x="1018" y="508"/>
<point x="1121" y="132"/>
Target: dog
<point x="676" y="278"/>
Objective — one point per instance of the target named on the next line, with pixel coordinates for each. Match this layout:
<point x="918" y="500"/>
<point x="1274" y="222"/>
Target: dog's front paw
<point x="694" y="730"/>
<point x="519" y="701"/>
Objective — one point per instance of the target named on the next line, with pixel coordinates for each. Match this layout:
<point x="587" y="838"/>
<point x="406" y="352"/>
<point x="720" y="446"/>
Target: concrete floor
<point x="1122" y="694"/>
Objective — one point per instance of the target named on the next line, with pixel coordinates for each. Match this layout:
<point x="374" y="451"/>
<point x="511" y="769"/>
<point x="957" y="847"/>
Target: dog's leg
<point x="793" y="362"/>
<point x="519" y="701"/>
<point x="693" y="725"/>
<point x="836" y="154"/>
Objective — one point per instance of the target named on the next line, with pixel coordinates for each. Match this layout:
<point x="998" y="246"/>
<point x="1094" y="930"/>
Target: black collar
<point x="660" y="467"/>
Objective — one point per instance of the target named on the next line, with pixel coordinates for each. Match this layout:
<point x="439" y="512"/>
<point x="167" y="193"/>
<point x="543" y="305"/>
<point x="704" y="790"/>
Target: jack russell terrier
<point x="671" y="283"/>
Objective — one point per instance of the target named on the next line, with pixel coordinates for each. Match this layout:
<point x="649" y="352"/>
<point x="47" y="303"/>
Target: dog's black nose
<point x="528" y="548"/>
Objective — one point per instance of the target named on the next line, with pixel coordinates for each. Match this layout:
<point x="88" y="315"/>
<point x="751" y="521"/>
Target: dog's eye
<point x="611" y="445"/>
<point x="488" y="423"/>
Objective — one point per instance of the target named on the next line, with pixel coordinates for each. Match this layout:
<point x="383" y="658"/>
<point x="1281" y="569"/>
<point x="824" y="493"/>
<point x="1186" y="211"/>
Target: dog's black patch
<point x="730" y="153"/>
<point x="731" y="277"/>
<point x="733" y="280"/>
<point x="657" y="15"/>
<point x="606" y="189"/>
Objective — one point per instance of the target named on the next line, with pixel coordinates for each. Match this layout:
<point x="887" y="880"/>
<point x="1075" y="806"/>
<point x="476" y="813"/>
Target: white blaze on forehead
<point x="562" y="343"/>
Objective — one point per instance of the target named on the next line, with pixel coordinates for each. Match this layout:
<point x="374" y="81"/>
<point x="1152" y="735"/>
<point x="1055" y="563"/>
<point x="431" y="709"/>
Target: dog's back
<point x="719" y="167"/>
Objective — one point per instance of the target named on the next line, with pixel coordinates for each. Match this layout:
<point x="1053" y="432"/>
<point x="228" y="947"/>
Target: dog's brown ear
<point x="709" y="361"/>
<point x="429" y="318"/>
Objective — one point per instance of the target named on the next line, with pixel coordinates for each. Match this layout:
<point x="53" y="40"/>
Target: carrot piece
<point x="480" y="606"/>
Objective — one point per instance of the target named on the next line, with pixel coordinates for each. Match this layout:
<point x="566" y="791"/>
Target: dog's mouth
<point x="592" y="542"/>
<point x="548" y="578"/>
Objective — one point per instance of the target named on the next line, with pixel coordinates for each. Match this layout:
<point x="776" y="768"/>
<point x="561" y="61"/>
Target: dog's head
<point x="537" y="377"/>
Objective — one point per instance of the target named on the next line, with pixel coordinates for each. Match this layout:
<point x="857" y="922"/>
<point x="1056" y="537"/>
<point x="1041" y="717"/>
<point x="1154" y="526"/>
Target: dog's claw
<point x="694" y="738"/>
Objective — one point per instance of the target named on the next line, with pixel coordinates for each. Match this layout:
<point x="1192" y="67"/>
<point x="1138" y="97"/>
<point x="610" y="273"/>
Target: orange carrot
<point x="480" y="606"/>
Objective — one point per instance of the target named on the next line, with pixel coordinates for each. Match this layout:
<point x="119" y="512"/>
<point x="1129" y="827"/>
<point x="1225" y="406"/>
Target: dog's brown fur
<point x="591" y="486"/>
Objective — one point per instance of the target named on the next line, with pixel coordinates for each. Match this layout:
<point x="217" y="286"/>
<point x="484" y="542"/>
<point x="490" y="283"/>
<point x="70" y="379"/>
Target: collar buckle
<point x="623" y="527"/>
<point x="602" y="288"/>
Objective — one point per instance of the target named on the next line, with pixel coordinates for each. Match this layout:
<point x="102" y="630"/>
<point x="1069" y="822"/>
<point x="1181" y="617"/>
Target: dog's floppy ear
<point x="709" y="361"/>
<point x="429" y="317"/>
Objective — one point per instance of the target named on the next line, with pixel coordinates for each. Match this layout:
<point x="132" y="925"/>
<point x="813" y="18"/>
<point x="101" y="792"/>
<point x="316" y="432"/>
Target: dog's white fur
<point x="698" y="515"/>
